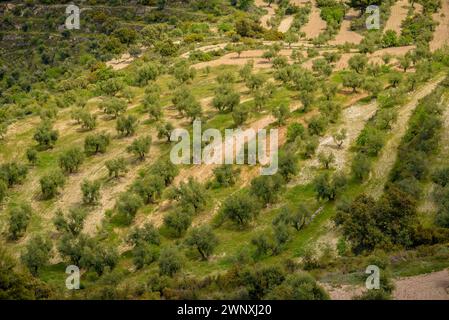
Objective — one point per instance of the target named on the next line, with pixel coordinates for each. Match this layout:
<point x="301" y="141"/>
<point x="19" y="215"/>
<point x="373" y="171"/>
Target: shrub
<point x="203" y="239"/>
<point x="96" y="143"/>
<point x="178" y="221"/>
<point x="128" y="204"/>
<point x="240" y="209"/>
<point x="45" y="136"/>
<point x="170" y="261"/>
<point x="70" y="160"/>
<point x="116" y="167"/>
<point x="36" y="254"/>
<point x="127" y="126"/>
<point x="19" y="218"/>
<point x="90" y="191"/>
<point x="13" y="173"/>
<point x="73" y="223"/>
<point x="51" y="183"/>
<point x="149" y="188"/>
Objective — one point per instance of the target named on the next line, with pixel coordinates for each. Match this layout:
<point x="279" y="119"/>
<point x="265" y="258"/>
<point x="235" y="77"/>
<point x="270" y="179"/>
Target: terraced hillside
<point x="88" y="121"/>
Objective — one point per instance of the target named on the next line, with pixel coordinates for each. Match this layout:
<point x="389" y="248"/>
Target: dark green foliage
<point x="127" y="125"/>
<point x="13" y="173"/>
<point x="147" y="234"/>
<point x="3" y="190"/>
<point x="240" y="209"/>
<point x="128" y="204"/>
<point x="225" y="175"/>
<point x="72" y="223"/>
<point x="90" y="191"/>
<point x="294" y="131"/>
<point x="45" y="136"/>
<point x="328" y="187"/>
<point x="266" y="188"/>
<point x="170" y="261"/>
<point x="191" y="194"/>
<point x="262" y="280"/>
<point x="71" y="160"/>
<point x="178" y="221"/>
<point x="96" y="143"/>
<point x="19" y="218"/>
<point x="144" y="254"/>
<point x="203" y="239"/>
<point x="140" y="147"/>
<point x="51" y="184"/>
<point x="36" y="254"/>
<point x="31" y="155"/>
<point x="149" y="188"/>
<point x="16" y="284"/>
<point x="116" y="167"/>
<point x="370" y="224"/>
<point x="298" y="287"/>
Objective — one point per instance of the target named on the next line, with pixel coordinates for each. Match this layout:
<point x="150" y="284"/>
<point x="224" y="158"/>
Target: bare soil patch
<point x="441" y="34"/>
<point x="315" y="26"/>
<point x="346" y="35"/>
<point x="431" y="286"/>
<point x="398" y="14"/>
<point x="265" y="20"/>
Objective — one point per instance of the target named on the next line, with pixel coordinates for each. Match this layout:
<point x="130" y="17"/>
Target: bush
<point x="146" y="234"/>
<point x="96" y="143"/>
<point x="140" y="147"/>
<point x="144" y="254"/>
<point x="70" y="160"/>
<point x="170" y="262"/>
<point x="31" y="155"/>
<point x="128" y="204"/>
<point x="225" y="175"/>
<point x="13" y="173"/>
<point x="203" y="239"/>
<point x="36" y="254"/>
<point x="298" y="287"/>
<point x="51" y="183"/>
<point x="149" y="188"/>
<point x="73" y="223"/>
<point x="116" y="167"/>
<point x="178" y="221"/>
<point x="45" y="136"/>
<point x="191" y="194"/>
<point x="19" y="218"/>
<point x="266" y="188"/>
<point x="126" y="126"/>
<point x="113" y="106"/>
<point x="90" y="191"/>
<point x="240" y="209"/>
<point x="3" y="190"/>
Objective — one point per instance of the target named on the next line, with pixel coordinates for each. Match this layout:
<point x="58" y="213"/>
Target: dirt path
<point x="387" y="157"/>
<point x="207" y="48"/>
<point x="265" y="20"/>
<point x="353" y="120"/>
<point x="286" y="23"/>
<point x="431" y="286"/>
<point x="233" y="59"/>
<point x="375" y="57"/>
<point x="346" y="35"/>
<point x="398" y="14"/>
<point x="315" y="26"/>
<point x="441" y="35"/>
